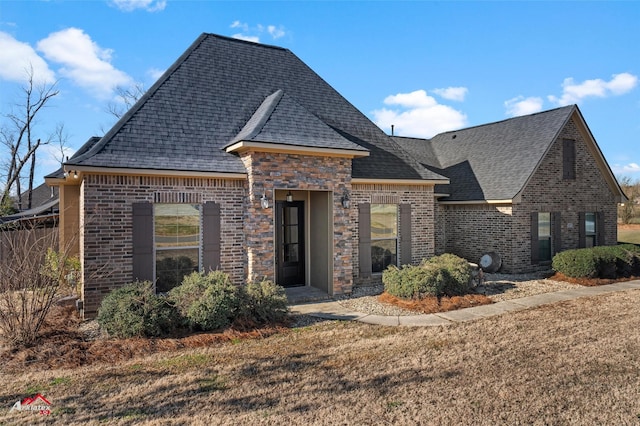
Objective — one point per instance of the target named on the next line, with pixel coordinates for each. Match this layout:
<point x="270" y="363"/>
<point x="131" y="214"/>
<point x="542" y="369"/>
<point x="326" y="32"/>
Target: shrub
<point x="456" y="273"/>
<point x="441" y="275"/>
<point x="208" y="301"/>
<point x="599" y="262"/>
<point x="263" y="302"/>
<point x="28" y="287"/>
<point x="412" y="282"/>
<point x="136" y="311"/>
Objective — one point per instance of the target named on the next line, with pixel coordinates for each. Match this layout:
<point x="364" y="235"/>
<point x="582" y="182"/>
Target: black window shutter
<point x="210" y="236"/>
<point x="364" y="244"/>
<point x="405" y="234"/>
<point x="582" y="230"/>
<point x="600" y="228"/>
<point x="556" y="237"/>
<point x="534" y="238"/>
<point x="142" y="235"/>
<point x="568" y="159"/>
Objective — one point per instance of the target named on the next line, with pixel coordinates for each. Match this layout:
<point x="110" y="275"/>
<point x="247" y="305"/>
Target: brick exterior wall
<point x="268" y="172"/>
<point x="422" y="219"/>
<point x="548" y="191"/>
<point x="474" y="230"/>
<point x="106" y="225"/>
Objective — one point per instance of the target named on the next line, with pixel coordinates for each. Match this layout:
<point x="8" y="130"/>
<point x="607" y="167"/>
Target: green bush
<point x="441" y="275"/>
<point x="263" y="302"/>
<point x="599" y="262"/>
<point x="456" y="273"/>
<point x="207" y="301"/>
<point x="136" y="311"/>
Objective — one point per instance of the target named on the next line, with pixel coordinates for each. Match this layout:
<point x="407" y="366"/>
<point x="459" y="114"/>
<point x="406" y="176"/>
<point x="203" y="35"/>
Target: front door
<point x="290" y="243"/>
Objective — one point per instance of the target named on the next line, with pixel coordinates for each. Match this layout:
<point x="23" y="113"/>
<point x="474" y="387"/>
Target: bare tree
<point x="127" y="97"/>
<point x="17" y="136"/>
<point x="627" y="210"/>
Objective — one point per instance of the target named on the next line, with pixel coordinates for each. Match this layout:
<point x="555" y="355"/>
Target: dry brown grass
<point x="575" y="362"/>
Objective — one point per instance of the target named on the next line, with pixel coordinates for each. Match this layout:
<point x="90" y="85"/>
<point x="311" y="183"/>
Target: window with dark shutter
<point x="405" y="234"/>
<point x="568" y="159"/>
<point x="210" y="236"/>
<point x="364" y="243"/>
<point x="142" y="236"/>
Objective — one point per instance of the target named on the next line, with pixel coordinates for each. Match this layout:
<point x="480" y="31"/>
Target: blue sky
<point x="425" y="67"/>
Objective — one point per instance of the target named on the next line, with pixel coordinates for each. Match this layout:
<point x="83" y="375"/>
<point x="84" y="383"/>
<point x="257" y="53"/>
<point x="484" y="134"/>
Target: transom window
<point x="384" y="236"/>
<point x="176" y="243"/>
<point x="544" y="236"/>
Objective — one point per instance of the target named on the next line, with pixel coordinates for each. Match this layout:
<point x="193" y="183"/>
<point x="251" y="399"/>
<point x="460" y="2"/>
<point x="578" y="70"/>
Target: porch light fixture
<point x="346" y="201"/>
<point x="264" y="201"/>
<point x="75" y="174"/>
<point x="289" y="197"/>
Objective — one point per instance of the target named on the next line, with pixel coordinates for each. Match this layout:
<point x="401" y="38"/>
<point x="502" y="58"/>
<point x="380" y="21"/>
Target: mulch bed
<point x="589" y="282"/>
<point x="63" y="345"/>
<point x="432" y="305"/>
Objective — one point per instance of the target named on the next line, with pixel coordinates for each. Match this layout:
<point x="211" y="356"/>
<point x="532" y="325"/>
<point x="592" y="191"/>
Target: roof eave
<point x="245" y="146"/>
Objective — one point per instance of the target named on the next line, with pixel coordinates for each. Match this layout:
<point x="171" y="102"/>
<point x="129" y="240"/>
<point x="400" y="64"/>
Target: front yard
<point x="575" y="362"/>
<point x="629" y="233"/>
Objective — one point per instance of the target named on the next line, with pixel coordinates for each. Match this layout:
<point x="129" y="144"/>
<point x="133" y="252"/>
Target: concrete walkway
<point x="333" y="310"/>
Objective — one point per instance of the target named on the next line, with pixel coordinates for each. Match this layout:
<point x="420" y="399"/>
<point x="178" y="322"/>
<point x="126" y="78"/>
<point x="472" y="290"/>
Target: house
<point x="241" y="158"/>
<point x="525" y="188"/>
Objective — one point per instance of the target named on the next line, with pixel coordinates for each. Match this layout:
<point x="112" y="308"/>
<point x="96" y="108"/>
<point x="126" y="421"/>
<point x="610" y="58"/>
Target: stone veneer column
<point x="270" y="171"/>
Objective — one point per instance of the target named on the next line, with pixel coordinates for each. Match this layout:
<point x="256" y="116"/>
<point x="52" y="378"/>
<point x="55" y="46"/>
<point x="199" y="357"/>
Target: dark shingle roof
<point x="280" y="119"/>
<point x="221" y="89"/>
<point x="492" y="161"/>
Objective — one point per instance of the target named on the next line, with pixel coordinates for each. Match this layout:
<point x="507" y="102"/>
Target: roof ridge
<point x="249" y="42"/>
<point x="519" y="117"/>
<point x="260" y="116"/>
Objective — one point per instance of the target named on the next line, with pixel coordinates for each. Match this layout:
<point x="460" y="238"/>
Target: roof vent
<point x="454" y="136"/>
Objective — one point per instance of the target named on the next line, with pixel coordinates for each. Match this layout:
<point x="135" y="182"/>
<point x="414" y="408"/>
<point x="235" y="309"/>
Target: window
<point x="176" y="243"/>
<point x="384" y="236"/>
<point x="590" y="230"/>
<point x="544" y="236"/>
<point x="568" y="159"/>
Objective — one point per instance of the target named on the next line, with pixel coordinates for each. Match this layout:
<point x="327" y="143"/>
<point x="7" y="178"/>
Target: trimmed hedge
<point x="136" y="311"/>
<point x="442" y="275"/>
<point x="599" y="262"/>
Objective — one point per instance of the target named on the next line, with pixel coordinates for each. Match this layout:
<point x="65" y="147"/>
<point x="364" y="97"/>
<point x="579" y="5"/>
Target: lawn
<point x="629" y="234"/>
<point x="574" y="362"/>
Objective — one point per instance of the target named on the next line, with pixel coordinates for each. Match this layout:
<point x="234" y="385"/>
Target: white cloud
<point x="242" y="25"/>
<point x="155" y="73"/>
<point x="626" y="169"/>
<point x="254" y="39"/>
<point x="18" y="58"/>
<point x="418" y="114"/>
<point x="452" y="93"/>
<point x="275" y="32"/>
<point x="131" y="5"/>
<point x="83" y="61"/>
<point x="253" y="34"/>
<point x="522" y="106"/>
<point x="573" y="92"/>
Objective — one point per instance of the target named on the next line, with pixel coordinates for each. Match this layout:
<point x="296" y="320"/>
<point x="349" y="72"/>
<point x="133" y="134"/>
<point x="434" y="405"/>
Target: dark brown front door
<point x="290" y="243"/>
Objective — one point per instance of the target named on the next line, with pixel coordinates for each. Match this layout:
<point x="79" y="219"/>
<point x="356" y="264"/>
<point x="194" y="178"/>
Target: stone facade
<point x="268" y="172"/>
<point x="422" y="219"/>
<point x="106" y="225"/>
<point x="472" y="230"/>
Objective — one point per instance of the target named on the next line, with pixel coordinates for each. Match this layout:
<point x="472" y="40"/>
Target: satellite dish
<point x="490" y="262"/>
